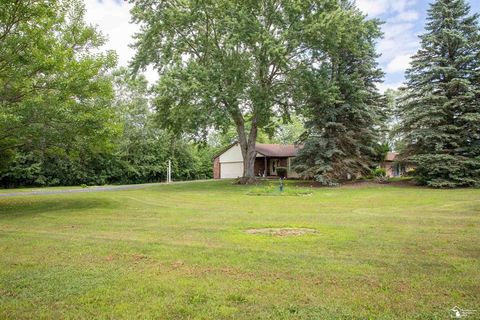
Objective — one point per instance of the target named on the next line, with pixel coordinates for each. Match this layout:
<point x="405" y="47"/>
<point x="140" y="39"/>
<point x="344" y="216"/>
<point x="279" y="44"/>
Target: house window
<point x="274" y="164"/>
<point x="399" y="169"/>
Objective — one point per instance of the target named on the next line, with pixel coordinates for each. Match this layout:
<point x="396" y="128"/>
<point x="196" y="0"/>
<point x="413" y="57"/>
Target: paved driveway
<point x="89" y="189"/>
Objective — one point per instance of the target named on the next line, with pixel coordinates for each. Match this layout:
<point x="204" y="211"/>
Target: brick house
<point x="229" y="162"/>
<point x="394" y="167"/>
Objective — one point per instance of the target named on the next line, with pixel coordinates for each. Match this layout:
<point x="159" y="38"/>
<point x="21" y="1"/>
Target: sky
<point x="403" y="21"/>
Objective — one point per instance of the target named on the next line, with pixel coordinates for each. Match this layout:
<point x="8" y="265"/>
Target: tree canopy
<point x="231" y="62"/>
<point x="65" y="116"/>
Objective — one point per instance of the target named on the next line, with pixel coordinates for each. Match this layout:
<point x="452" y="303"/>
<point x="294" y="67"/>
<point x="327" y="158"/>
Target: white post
<point x="169" y="172"/>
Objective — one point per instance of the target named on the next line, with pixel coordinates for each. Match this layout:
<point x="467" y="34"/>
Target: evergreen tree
<point x="342" y="106"/>
<point x="440" y="108"/>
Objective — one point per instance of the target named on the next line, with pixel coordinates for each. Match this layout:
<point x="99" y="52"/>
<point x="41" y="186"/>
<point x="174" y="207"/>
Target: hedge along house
<point x="229" y="163"/>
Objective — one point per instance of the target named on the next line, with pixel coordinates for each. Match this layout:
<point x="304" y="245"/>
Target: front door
<point x="274" y="164"/>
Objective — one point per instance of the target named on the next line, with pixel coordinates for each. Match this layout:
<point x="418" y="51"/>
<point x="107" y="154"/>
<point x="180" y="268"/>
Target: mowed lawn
<point x="181" y="252"/>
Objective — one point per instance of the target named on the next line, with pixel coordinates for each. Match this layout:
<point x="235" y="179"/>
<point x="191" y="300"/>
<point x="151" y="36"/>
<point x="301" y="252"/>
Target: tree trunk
<point x="249" y="160"/>
<point x="247" y="145"/>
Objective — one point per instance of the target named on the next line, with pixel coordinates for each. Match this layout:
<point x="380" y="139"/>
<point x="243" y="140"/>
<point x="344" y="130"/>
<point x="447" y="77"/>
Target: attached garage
<point x="229" y="163"/>
<point x="229" y="170"/>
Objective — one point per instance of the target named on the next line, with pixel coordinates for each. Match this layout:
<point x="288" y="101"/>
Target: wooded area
<point x="254" y="71"/>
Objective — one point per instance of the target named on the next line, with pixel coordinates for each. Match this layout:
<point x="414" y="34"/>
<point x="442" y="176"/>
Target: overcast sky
<point x="404" y="21"/>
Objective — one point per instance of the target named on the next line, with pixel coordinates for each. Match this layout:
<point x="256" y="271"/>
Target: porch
<point x="267" y="166"/>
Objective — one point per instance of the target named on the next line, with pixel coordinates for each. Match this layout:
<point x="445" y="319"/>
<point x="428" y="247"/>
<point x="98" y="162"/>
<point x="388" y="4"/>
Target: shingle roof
<point x="278" y="150"/>
<point x="269" y="150"/>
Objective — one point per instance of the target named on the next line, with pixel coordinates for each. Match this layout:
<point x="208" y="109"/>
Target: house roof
<point x="391" y="156"/>
<point x="269" y="150"/>
<point x="278" y="150"/>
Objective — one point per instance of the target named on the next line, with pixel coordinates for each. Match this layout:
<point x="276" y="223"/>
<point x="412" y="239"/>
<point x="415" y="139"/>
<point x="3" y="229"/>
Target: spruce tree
<point x="440" y="108"/>
<point x="342" y="105"/>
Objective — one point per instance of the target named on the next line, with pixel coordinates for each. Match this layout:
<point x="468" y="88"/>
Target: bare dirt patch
<point x="282" y="232"/>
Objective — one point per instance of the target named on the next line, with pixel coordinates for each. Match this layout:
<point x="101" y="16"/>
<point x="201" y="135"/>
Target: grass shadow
<point x="20" y="207"/>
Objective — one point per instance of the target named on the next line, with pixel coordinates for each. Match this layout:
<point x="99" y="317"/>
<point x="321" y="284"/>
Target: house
<point x="229" y="162"/>
<point x="394" y="167"/>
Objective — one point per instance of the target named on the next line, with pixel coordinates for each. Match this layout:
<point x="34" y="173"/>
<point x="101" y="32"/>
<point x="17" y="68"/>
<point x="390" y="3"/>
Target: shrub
<point x="447" y="171"/>
<point x="282" y="172"/>
<point x="379" y="172"/>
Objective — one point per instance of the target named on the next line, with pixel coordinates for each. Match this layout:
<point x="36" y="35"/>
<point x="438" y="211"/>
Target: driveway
<point x="89" y="189"/>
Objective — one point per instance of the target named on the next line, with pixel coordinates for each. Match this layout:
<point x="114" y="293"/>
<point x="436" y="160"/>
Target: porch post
<point x="265" y="173"/>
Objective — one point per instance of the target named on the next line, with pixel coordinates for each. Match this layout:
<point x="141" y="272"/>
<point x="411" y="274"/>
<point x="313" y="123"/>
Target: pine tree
<point x="440" y="107"/>
<point x="343" y="108"/>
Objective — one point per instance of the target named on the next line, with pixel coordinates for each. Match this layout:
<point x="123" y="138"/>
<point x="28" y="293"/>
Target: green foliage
<point x="343" y="109"/>
<point x="55" y="96"/>
<point x="378" y="172"/>
<point x="380" y="152"/>
<point x="144" y="149"/>
<point x="281" y="172"/>
<point x="65" y="119"/>
<point x="288" y="133"/>
<point x="54" y="91"/>
<point x="272" y="188"/>
<point x="447" y="171"/>
<point x="440" y="106"/>
<point x="229" y="63"/>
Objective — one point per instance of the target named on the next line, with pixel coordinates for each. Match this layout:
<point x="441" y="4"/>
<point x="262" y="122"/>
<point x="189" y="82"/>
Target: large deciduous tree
<point x="440" y="107"/>
<point x="51" y="81"/>
<point x="225" y="62"/>
<point x="55" y="91"/>
<point x="342" y="106"/>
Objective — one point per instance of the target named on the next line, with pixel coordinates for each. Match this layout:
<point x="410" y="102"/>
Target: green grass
<point x="272" y="188"/>
<point x="180" y="252"/>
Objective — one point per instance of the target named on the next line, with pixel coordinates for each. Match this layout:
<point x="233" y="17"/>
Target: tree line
<point x="68" y="116"/>
<point x="254" y="71"/>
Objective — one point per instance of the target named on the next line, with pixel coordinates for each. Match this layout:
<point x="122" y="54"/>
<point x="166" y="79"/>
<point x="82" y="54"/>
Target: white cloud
<point x="399" y="63"/>
<point x="375" y="8"/>
<point x="112" y="18"/>
<point x="400" y="41"/>
<point x="382" y="87"/>
<point x="409" y="15"/>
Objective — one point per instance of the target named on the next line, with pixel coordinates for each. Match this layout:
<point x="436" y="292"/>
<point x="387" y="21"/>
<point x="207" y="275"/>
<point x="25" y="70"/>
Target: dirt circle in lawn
<point x="281" y="232"/>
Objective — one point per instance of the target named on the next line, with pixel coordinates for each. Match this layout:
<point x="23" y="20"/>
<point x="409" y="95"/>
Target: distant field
<point x="182" y="252"/>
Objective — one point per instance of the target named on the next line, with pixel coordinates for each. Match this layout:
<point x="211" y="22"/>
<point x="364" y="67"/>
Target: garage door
<point x="231" y="170"/>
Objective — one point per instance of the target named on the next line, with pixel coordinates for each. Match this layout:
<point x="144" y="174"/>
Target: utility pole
<point x="169" y="171"/>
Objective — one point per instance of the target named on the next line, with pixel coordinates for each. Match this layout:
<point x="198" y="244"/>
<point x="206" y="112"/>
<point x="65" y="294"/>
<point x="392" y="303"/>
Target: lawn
<point x="182" y="252"/>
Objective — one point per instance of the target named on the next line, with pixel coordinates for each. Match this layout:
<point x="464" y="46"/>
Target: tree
<point x="143" y="147"/>
<point x="440" y="113"/>
<point x="225" y="62"/>
<point x="342" y="106"/>
<point x="55" y="91"/>
<point x="288" y="133"/>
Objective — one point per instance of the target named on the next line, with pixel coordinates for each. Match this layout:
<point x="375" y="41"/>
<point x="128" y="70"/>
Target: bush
<point x="379" y="172"/>
<point x="282" y="172"/>
<point x="447" y="171"/>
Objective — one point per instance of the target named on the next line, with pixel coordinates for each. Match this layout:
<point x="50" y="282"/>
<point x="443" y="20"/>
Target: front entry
<point x="274" y="164"/>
